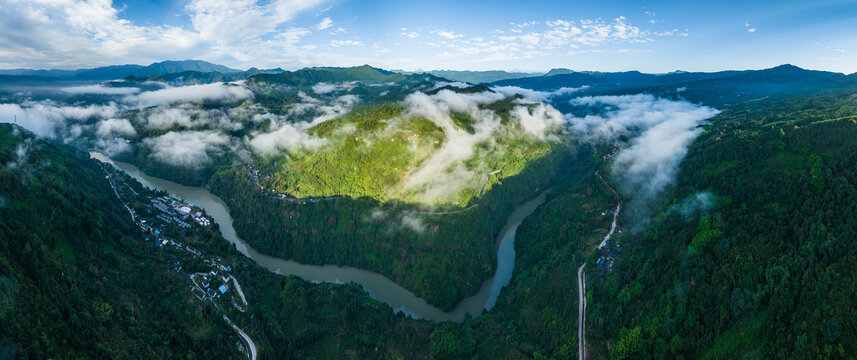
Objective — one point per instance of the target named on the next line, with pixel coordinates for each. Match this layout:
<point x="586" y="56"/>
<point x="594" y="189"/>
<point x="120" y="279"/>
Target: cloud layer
<point x="52" y="120"/>
<point x="223" y="92"/>
<point x="79" y="33"/>
<point x="288" y="137"/>
<point x="100" y="90"/>
<point x="444" y="174"/>
<point x="660" y="132"/>
<point x="186" y="148"/>
<point x="285" y="33"/>
<point x="535" y="96"/>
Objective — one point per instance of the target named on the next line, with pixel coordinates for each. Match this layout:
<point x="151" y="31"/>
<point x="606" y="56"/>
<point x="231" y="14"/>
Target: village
<point x="606" y="251"/>
<point x="166" y="218"/>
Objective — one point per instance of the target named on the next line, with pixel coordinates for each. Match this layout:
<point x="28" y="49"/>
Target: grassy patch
<point x="738" y="341"/>
<point x="790" y="161"/>
<point x="717" y="169"/>
<point x="63" y="247"/>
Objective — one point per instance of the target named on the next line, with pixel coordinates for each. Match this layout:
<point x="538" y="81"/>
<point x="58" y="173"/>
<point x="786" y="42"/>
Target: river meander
<point x="377" y="285"/>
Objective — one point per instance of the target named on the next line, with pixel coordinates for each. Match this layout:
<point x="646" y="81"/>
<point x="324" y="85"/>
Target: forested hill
<point x="720" y="89"/>
<point x="75" y="280"/>
<point x="121" y="71"/>
<point x="308" y="76"/>
<point x="767" y="269"/>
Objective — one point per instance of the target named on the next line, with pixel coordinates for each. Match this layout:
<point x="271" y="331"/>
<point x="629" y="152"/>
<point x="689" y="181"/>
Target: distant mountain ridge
<point x="713" y="88"/>
<point x="475" y="77"/>
<point x="309" y="76"/>
<point x="168" y="67"/>
<point x="559" y="71"/>
<point x="121" y="71"/>
<point x="194" y="77"/>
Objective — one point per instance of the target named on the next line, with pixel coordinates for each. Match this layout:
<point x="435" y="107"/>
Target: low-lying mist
<point x="658" y="132"/>
<point x="188" y="126"/>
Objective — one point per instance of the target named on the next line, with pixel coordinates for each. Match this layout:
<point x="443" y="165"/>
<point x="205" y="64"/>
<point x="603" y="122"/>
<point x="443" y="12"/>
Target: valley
<point x="444" y="180"/>
<point x="426" y="220"/>
<point x="377" y="286"/>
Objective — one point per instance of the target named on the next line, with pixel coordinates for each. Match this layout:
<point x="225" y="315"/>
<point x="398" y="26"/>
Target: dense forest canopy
<point x="737" y="196"/>
<point x="76" y="280"/>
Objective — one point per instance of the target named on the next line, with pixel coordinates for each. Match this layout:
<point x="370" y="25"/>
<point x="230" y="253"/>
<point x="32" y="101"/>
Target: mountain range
<point x="121" y="71"/>
<point x="720" y="87"/>
<point x="680" y="215"/>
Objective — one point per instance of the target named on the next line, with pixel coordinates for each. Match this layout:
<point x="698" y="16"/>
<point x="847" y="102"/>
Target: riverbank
<point x="378" y="286"/>
<point x="416" y="250"/>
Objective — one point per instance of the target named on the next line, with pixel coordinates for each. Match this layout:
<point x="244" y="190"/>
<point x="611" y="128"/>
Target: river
<point x="378" y="286"/>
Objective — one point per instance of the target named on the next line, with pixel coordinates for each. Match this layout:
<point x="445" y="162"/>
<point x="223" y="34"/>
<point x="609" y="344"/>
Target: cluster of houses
<point x="169" y="209"/>
<point x="214" y="283"/>
<point x="210" y="285"/>
<point x="200" y="218"/>
<point x="610" y="212"/>
<point x="604" y="263"/>
<point x="613" y="151"/>
<point x="177" y="212"/>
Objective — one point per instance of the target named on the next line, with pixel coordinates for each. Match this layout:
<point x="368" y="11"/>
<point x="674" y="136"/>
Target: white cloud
<point x="112" y="146"/>
<point x="536" y="39"/>
<point x="538" y="119"/>
<point x="323" y="88"/>
<point x="187" y="116"/>
<point x="186" y="148"/>
<point x="701" y="202"/>
<point x="379" y="48"/>
<point x="287" y="137"/>
<point x="399" y="221"/>
<point x="244" y="33"/>
<point x="100" y="90"/>
<point x="531" y="38"/>
<point x="324" y="24"/>
<point x="49" y="119"/>
<point x="409" y="34"/>
<point x="443" y="174"/>
<point x="414" y="223"/>
<point x="338" y="43"/>
<point x="537" y="96"/>
<point x="446" y="34"/>
<point x="193" y="93"/>
<point x="86" y="33"/>
<point x="112" y="127"/>
<point x="457" y="84"/>
<point x="57" y="33"/>
<point x="660" y="130"/>
<point x="230" y="22"/>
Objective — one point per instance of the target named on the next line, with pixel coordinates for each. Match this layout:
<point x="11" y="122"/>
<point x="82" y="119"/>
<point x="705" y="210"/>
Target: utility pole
<point x="15" y="118"/>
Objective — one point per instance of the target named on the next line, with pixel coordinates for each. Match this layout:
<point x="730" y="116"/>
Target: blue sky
<point x="655" y="36"/>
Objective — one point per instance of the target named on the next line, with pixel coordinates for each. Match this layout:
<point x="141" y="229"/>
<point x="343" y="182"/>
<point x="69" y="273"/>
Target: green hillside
<point x="75" y="279"/>
<point x="764" y="272"/>
<point x="415" y="249"/>
<point x="371" y="152"/>
<point x="768" y="272"/>
<point x="311" y="76"/>
<point x="479" y="77"/>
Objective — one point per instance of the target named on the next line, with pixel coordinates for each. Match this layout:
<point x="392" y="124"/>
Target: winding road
<point x="581" y="276"/>
<point x="251" y="346"/>
<point x="581" y="284"/>
<point x="248" y="342"/>
<point x="615" y="214"/>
